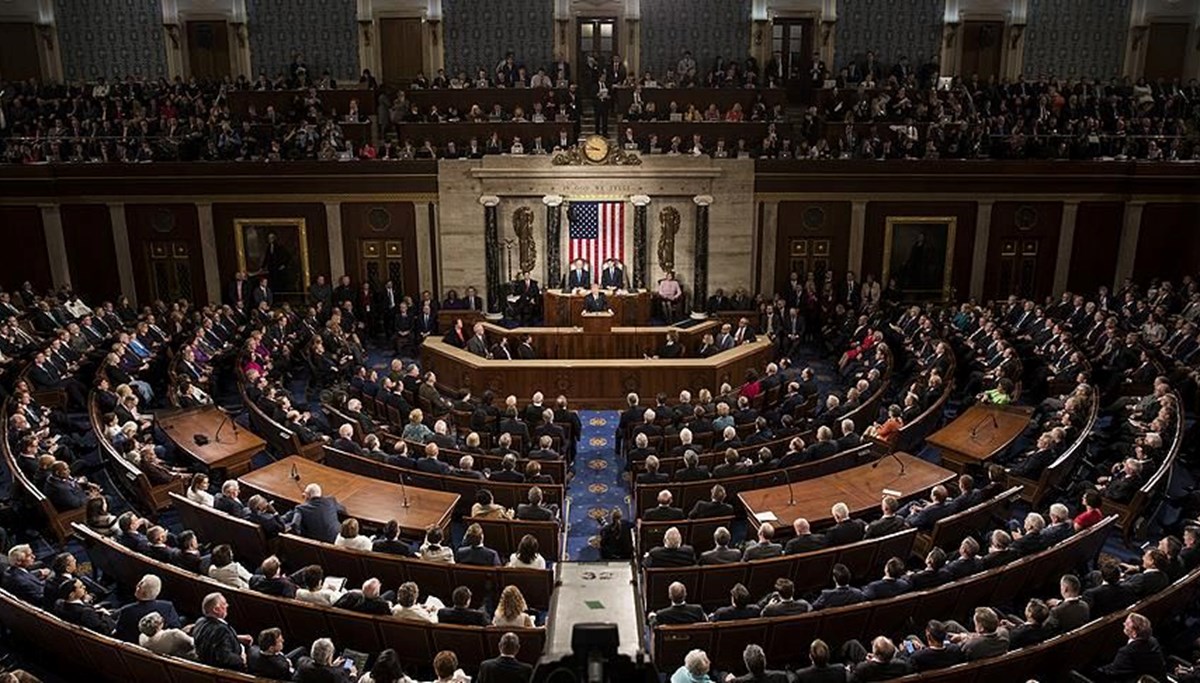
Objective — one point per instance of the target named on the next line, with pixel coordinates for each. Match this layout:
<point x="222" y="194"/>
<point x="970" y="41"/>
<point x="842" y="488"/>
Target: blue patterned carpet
<point x="598" y="485"/>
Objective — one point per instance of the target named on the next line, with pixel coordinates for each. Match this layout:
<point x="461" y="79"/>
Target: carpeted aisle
<point x="598" y="485"/>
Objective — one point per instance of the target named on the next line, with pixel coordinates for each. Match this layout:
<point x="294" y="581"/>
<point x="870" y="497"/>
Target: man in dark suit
<point x="217" y="644"/>
<point x="763" y="547"/>
<point x="967" y="562"/>
<point x="722" y="553"/>
<point x="652" y="475"/>
<point x="672" y="553"/>
<point x="892" y="584"/>
<point x="680" y="611"/>
<point x="389" y="542"/>
<point x="460" y="612"/>
<point x="146" y="595"/>
<point x="716" y="507"/>
<point x="842" y="592"/>
<point x="1152" y="577"/>
<point x="321" y="667"/>
<point x="888" y="523"/>
<point x="844" y="529"/>
<point x="805" y="540"/>
<point x="821" y="671"/>
<point x="926" y="515"/>
<point x="268" y="659"/>
<point x="782" y="601"/>
<point x="506" y="668"/>
<point x="664" y="512"/>
<point x="1072" y="611"/>
<point x="1110" y="595"/>
<point x="1139" y="656"/>
<point x="595" y="301"/>
<point x="22" y="580"/>
<point x="317" y="516"/>
<point x="849" y="438"/>
<point x="881" y="664"/>
<point x="744" y="333"/>
<point x="474" y="552"/>
<point x="366" y="600"/>
<point x="271" y="581"/>
<point x="613" y="275"/>
<point x="534" y="510"/>
<point x="739" y="606"/>
<point x="578" y="277"/>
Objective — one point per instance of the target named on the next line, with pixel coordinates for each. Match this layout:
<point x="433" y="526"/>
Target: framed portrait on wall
<point x="275" y="248"/>
<point x="919" y="252"/>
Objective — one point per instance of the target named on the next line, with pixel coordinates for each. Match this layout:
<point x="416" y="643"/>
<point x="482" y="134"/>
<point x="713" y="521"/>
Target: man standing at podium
<point x="595" y="301"/>
<point x="613" y="275"/>
<point x="579" y="277"/>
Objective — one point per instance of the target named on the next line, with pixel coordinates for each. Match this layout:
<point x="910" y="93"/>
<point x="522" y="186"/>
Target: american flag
<point x="597" y="232"/>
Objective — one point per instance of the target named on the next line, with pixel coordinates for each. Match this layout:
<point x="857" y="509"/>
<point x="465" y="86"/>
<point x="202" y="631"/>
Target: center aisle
<point x="598" y="485"/>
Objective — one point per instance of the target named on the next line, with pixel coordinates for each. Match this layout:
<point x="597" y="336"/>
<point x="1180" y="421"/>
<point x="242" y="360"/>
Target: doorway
<point x="19" y="52"/>
<point x="380" y="261"/>
<point x="595" y="36"/>
<point x="1166" y="51"/>
<point x="400" y="48"/>
<point x="170" y="268"/>
<point x="982" y="49"/>
<point x="208" y="50"/>
<point x="1019" y="267"/>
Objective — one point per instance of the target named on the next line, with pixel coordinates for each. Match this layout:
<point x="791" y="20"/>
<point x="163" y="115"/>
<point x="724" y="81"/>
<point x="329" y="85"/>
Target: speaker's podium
<point x="599" y="322"/>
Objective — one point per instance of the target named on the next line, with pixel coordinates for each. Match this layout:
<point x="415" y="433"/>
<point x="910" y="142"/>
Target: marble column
<point x="120" y="230"/>
<point x="553" y="204"/>
<point x="337" y="250"/>
<point x="208" y="251"/>
<point x="56" y="246"/>
<point x="700" y="263"/>
<point x="424" y="246"/>
<point x="641" y="264"/>
<point x="491" y="256"/>
<point x="983" y="229"/>
<point x="858" y="231"/>
<point x="768" y="254"/>
<point x="1127" y="248"/>
<point x="1066" y="244"/>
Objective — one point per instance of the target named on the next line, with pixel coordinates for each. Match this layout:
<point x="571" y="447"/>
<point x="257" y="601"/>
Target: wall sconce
<point x="1018" y="30"/>
<point x="172" y="33"/>
<point x="1139" y="34"/>
<point x="365" y="25"/>
<point x="46" y="31"/>
<point x="239" y="31"/>
<point x="950" y="33"/>
<point x="827" y="27"/>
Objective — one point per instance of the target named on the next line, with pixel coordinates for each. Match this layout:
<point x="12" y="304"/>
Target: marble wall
<point x="523" y="181"/>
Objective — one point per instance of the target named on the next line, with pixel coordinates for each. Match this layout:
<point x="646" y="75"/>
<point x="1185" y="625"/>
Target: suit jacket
<point x="534" y="513"/>
<point x="477" y="555"/>
<point x="704" y="509"/>
<point x="129" y="616"/>
<point x="680" y="614"/>
<point x="872" y="670"/>
<point x="663" y="514"/>
<point x="886" y="588"/>
<point x="318" y="519"/>
<point x="929" y="515"/>
<point x="839" y="596"/>
<point x="761" y="551"/>
<point x="828" y="673"/>
<point x="504" y="670"/>
<point x="884" y="526"/>
<point x="662" y="556"/>
<point x="462" y="616"/>
<point x="984" y="645"/>
<point x="579" y="278"/>
<point x="231" y="506"/>
<point x="1108" y="598"/>
<point x="356" y="601"/>
<point x="612" y="278"/>
<point x="217" y="644"/>
<point x="845" y="532"/>
<point x="720" y="555"/>
<point x="308" y="671"/>
<point x="804" y="544"/>
<point x="595" y="304"/>
<point x="275" y="666"/>
<point x="1146" y="582"/>
<point x="1136" y="658"/>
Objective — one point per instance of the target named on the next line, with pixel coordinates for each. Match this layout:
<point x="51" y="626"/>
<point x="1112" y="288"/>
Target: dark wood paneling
<point x="149" y="223"/>
<point x="834" y="225"/>
<point x="24" y="256"/>
<point x="400" y="49"/>
<point x="87" y="231"/>
<point x="208" y="49"/>
<point x="982" y="48"/>
<point x="314" y="225"/>
<point x="1166" y="50"/>
<point x="401" y="224"/>
<point x="1040" y="221"/>
<point x="964" y="238"/>
<point x="1094" y="252"/>
<point x="18" y="51"/>
<point x="1168" y="242"/>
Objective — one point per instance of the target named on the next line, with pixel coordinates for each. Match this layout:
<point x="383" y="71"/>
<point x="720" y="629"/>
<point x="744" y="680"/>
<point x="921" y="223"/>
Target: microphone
<point x="791" y="492"/>
<point x="891" y="454"/>
<point x="403" y="492"/>
<point x="295" y="473"/>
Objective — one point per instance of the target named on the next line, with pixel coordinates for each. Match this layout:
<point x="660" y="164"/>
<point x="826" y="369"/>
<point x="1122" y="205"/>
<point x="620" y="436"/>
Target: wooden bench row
<point x="303" y="622"/>
<point x="1056" y="472"/>
<point x="1137" y="513"/>
<point x="783" y="638"/>
<point x="59" y="521"/>
<point x="357" y="566"/>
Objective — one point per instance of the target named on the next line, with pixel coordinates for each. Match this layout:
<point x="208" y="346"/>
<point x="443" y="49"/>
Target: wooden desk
<point x="371" y="501"/>
<point x="599" y="383"/>
<point x="231" y="454"/>
<point x="561" y="308"/>
<point x="860" y="488"/>
<point x="974" y="437"/>
<point x="619" y="342"/>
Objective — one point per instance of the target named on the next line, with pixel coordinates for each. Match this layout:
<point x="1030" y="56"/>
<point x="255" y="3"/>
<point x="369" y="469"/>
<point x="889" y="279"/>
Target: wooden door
<point x="401" y="50"/>
<point x="170" y="269"/>
<point x="1166" y="50"/>
<point x="792" y="43"/>
<point x="208" y="49"/>
<point x="982" y="49"/>
<point x="596" y="36"/>
<point x="380" y="261"/>
<point x="19" y="52"/>
<point x="1019" y="267"/>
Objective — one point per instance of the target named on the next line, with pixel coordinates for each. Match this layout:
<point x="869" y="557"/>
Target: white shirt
<point x="202" y="497"/>
<point x="232" y="574"/>
<point x="356" y="543"/>
<point x="539" y="562"/>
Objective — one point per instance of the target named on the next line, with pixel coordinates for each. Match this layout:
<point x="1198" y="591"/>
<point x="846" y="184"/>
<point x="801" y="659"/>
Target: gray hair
<point x="148" y="588"/>
<point x="322" y="651"/>
<point x="150" y="624"/>
<point x="696" y="662"/>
